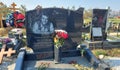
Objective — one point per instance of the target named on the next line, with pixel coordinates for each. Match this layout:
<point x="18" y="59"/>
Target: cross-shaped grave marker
<point x="3" y="52"/>
<point x="13" y="7"/>
<point x="10" y="52"/>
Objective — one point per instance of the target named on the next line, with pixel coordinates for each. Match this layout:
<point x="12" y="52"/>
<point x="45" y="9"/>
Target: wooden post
<point x="1" y="24"/>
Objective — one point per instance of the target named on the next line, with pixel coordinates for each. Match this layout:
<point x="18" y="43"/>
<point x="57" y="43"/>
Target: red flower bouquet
<point x="60" y="36"/>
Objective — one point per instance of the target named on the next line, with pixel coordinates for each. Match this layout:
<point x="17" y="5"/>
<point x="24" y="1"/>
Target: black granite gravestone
<point x="41" y="23"/>
<point x="99" y="21"/>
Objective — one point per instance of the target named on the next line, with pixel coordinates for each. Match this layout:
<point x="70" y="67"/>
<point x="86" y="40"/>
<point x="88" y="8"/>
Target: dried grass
<point x="114" y="52"/>
<point x="4" y="31"/>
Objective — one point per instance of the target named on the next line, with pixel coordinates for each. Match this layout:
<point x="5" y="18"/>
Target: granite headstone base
<point x="91" y="58"/>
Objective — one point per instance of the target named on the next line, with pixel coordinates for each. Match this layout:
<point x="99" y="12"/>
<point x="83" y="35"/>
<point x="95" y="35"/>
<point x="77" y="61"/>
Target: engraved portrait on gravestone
<point x="43" y="26"/>
<point x="95" y="20"/>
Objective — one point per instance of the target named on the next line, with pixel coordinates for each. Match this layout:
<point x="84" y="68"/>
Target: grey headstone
<point x="39" y="37"/>
<point x="99" y="19"/>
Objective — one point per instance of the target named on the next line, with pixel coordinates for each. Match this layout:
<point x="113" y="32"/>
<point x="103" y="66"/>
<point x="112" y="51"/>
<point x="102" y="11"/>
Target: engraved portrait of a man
<point x="43" y="26"/>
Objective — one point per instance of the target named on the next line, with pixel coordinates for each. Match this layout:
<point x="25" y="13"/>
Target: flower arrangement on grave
<point x="15" y="31"/>
<point x="6" y="40"/>
<point x="82" y="48"/>
<point x="60" y="37"/>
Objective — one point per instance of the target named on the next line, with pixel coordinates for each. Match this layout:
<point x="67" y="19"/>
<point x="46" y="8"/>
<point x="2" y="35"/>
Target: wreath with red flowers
<point x="60" y="37"/>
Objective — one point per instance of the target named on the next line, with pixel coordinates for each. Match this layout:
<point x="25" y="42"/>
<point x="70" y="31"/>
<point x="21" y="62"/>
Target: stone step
<point x="50" y="54"/>
<point x="64" y="65"/>
<point x="39" y="55"/>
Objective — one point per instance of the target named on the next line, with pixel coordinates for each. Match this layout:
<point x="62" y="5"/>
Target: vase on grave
<point x="59" y="38"/>
<point x="57" y="54"/>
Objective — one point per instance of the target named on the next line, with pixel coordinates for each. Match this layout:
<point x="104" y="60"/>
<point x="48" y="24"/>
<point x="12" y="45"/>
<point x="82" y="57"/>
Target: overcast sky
<point x="31" y="4"/>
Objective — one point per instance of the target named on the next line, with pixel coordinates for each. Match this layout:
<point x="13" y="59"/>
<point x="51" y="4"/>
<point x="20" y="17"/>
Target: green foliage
<point x="114" y="20"/>
<point x="85" y="36"/>
<point x="87" y="20"/>
<point x="118" y="36"/>
<point x="59" y="42"/>
<point x="88" y="14"/>
<point x="23" y="9"/>
<point x="100" y="52"/>
<point x="107" y="52"/>
<point x="5" y="10"/>
<point x="24" y="42"/>
<point x="41" y="68"/>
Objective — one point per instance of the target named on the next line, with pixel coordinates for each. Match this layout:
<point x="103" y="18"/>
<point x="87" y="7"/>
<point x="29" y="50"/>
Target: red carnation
<point x="60" y="36"/>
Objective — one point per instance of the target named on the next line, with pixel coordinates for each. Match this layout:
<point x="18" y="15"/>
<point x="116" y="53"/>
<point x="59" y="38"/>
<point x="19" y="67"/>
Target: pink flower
<point x="7" y="40"/>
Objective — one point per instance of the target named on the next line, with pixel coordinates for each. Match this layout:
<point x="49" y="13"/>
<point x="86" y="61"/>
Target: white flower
<point x="59" y="30"/>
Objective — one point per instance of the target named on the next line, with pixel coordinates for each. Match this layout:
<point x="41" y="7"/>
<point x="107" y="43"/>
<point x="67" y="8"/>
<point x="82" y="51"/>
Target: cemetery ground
<point x="40" y="40"/>
<point x="9" y="63"/>
<point x="111" y="54"/>
<point x="113" y="20"/>
<point x="114" y="52"/>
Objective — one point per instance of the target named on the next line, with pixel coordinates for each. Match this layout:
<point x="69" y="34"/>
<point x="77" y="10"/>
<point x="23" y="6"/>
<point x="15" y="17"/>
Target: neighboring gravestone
<point x="99" y="21"/>
<point x="41" y="23"/>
